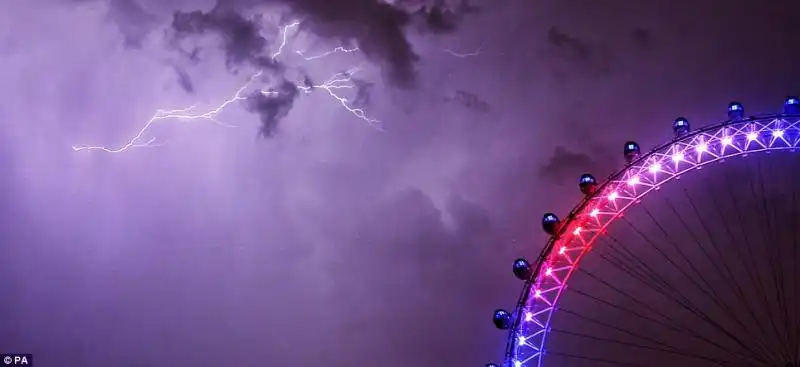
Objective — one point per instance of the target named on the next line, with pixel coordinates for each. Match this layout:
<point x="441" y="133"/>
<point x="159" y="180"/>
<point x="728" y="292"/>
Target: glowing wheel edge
<point x="581" y="228"/>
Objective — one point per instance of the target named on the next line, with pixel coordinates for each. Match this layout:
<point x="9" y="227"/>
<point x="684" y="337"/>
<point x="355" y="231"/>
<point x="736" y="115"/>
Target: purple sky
<point x="330" y="243"/>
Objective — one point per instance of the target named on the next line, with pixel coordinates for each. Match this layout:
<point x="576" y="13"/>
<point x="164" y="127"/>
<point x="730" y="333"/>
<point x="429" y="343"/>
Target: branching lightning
<point x="342" y="81"/>
<point x="183" y="114"/>
<point x="339" y="81"/>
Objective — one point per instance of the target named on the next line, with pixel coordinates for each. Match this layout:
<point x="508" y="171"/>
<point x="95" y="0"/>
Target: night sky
<point x="288" y="231"/>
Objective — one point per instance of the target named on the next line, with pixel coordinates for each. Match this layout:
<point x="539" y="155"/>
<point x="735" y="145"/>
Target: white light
<point x="702" y="148"/>
<point x="777" y="133"/>
<point x="517" y="364"/>
<point x="548" y="272"/>
<point x="752" y="136"/>
<point x="594" y="212"/>
<point x="529" y="316"/>
<point x="677" y="157"/>
<point x="522" y="340"/>
<point x="633" y="181"/>
<point x="577" y="231"/>
<point x="562" y="250"/>
<point x="613" y="196"/>
<point x="655" y="168"/>
<point x="727" y="140"/>
<point x="537" y="293"/>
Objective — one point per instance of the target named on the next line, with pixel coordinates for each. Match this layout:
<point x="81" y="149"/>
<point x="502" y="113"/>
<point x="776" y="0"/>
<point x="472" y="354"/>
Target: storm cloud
<point x="331" y="243"/>
<point x="377" y="27"/>
<point x="272" y="105"/>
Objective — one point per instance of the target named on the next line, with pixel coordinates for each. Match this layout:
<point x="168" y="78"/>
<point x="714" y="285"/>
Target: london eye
<point x="687" y="256"/>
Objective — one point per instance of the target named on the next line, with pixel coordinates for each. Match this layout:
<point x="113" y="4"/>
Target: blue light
<point x="501" y="319"/>
<point x="631" y="147"/>
<point x="587" y="183"/>
<point x="791" y="106"/>
<point x="631" y="151"/>
<point x="522" y="269"/>
<point x="680" y="127"/>
<point x="735" y="111"/>
<point x="550" y="223"/>
<point x="501" y="314"/>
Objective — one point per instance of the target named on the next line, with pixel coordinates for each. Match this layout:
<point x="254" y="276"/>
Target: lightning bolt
<point x="461" y="55"/>
<point x="339" y="49"/>
<point x="284" y="38"/>
<point x="183" y="114"/>
<point x="336" y="82"/>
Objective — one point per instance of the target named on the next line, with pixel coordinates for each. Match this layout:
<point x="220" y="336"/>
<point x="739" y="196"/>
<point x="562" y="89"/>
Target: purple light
<point x="677" y="157"/>
<point x="702" y="147"/>
<point x="727" y="140"/>
<point x="777" y="133"/>
<point x="655" y="168"/>
<point x="752" y="136"/>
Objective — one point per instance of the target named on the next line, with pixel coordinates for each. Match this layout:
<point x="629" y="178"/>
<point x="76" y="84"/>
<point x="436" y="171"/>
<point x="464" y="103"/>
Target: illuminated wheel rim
<point x="526" y="345"/>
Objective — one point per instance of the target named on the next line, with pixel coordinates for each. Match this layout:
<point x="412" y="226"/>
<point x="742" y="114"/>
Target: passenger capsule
<point x="522" y="269"/>
<point x="680" y="127"/>
<point x="631" y="151"/>
<point x="551" y="223"/>
<point x="501" y="319"/>
<point x="791" y="106"/>
<point x="735" y="111"/>
<point x="587" y="184"/>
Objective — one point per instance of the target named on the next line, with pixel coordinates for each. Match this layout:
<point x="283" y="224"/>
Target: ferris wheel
<point x="688" y="256"/>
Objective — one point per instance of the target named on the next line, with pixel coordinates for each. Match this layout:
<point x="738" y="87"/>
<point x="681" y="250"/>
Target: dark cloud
<point x="469" y="100"/>
<point x="471" y="220"/>
<point x="565" y="165"/>
<point x="272" y="105"/>
<point x="440" y="18"/>
<point x="184" y="80"/>
<point x="241" y="38"/>
<point x="375" y="26"/>
<point x="568" y="47"/>
<point x="577" y="57"/>
<point x="363" y="92"/>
